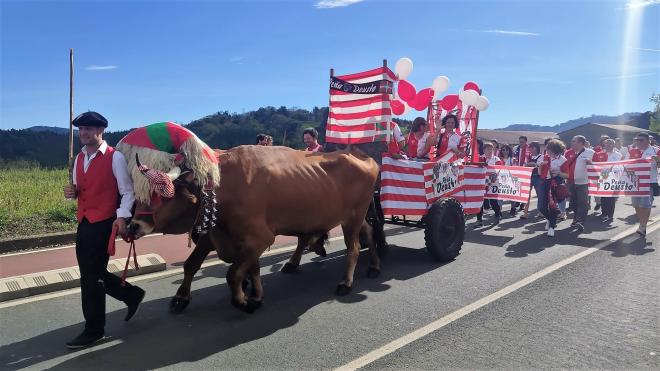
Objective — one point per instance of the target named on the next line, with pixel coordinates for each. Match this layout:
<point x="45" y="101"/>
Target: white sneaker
<point x="551" y="232"/>
<point x="547" y="225"/>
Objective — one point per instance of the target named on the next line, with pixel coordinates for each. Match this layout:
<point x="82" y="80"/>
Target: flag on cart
<point x="508" y="183"/>
<point x="360" y="107"/>
<point x="620" y="178"/>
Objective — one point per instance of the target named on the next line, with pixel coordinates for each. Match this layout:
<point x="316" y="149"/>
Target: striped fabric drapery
<point x="406" y="187"/>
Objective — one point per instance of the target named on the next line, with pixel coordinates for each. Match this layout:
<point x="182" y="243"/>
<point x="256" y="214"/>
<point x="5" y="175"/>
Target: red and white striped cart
<point x="435" y="195"/>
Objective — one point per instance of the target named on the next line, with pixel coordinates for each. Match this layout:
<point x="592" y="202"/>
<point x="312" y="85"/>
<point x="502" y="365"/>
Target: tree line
<point x="223" y="130"/>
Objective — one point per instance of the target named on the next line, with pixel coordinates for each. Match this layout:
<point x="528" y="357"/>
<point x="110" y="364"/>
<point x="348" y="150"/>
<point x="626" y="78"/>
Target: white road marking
<point x="73" y="354"/>
<point x="167" y="273"/>
<point x="441" y="322"/>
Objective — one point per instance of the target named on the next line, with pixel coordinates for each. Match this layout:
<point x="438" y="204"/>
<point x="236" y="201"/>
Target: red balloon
<point x="422" y="99"/>
<point x="471" y="85"/>
<point x="449" y="102"/>
<point x="407" y="91"/>
<point x="397" y="107"/>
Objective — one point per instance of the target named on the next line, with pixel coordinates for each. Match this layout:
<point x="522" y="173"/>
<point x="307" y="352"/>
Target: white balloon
<point x="403" y="68"/>
<point x="440" y="84"/>
<point x="482" y="103"/>
<point x="469" y="97"/>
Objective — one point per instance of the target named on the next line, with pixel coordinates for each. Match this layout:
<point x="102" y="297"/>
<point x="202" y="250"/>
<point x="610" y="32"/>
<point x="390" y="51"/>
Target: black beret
<point x="90" y="118"/>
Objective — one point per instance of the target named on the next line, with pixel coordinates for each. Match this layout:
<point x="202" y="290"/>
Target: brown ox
<point x="265" y="192"/>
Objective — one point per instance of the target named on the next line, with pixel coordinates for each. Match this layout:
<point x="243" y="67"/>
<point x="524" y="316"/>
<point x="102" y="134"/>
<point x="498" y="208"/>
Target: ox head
<point x="174" y="202"/>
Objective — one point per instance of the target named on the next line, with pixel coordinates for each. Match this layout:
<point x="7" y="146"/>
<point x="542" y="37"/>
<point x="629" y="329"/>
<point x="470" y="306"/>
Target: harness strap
<point x="128" y="259"/>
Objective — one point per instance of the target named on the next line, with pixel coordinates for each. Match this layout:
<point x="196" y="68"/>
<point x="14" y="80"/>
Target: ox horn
<point x="174" y="173"/>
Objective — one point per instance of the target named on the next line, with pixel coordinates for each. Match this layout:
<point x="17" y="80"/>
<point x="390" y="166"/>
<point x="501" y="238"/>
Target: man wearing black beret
<point x="101" y="181"/>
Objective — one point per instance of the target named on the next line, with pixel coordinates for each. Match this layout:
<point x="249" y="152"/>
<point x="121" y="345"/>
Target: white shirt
<point x="508" y="161"/>
<point x="493" y="160"/>
<point x="421" y="143"/>
<point x="454" y="141"/>
<point x="398" y="135"/>
<point x="555" y="165"/>
<point x="649" y="152"/>
<point x="120" y="171"/>
<point x="614" y="156"/>
<point x="624" y="151"/>
<point x="580" y="175"/>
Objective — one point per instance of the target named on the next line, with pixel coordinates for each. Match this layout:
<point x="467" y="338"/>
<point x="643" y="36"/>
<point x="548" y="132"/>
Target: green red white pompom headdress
<point x="163" y="147"/>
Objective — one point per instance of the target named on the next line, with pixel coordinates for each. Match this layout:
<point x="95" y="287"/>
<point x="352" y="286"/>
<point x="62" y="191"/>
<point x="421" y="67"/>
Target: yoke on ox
<point x="264" y="192"/>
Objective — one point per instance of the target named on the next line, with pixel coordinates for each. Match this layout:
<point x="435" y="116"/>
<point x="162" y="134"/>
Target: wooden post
<point x="332" y="74"/>
<point x="71" y="116"/>
<point x="475" y="144"/>
<point x="389" y="127"/>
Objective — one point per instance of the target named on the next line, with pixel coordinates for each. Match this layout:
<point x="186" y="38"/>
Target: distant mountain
<point x="637" y="119"/>
<point x="52" y="129"/>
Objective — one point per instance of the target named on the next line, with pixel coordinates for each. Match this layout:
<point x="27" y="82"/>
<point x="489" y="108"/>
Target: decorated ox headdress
<point x="162" y="149"/>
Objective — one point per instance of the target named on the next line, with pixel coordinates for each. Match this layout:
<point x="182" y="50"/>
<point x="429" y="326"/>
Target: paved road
<point x="600" y="311"/>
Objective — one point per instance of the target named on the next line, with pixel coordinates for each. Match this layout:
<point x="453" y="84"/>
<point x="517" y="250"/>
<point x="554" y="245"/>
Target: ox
<point x="265" y="192"/>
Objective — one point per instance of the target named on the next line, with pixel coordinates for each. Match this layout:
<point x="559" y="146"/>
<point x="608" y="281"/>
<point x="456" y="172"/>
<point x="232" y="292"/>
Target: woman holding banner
<point x="490" y="159"/>
<point x="506" y="155"/>
<point x="643" y="204"/>
<point x="608" y="154"/>
<point x="553" y="171"/>
<point x="535" y="157"/>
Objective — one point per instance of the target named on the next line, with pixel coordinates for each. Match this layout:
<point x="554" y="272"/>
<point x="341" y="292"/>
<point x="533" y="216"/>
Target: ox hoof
<point x="342" y="290"/>
<point x="248" y="307"/>
<point x="289" y="268"/>
<point x="373" y="272"/>
<point x="322" y="252"/>
<point x="178" y="305"/>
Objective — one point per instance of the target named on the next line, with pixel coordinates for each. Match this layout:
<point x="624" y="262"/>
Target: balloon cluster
<point x="408" y="97"/>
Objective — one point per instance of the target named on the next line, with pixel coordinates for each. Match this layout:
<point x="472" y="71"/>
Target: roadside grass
<point x="32" y="201"/>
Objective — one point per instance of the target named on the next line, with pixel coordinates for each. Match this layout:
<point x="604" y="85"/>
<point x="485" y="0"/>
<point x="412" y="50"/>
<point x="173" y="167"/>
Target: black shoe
<point x="513" y="212"/>
<point x="579" y="226"/>
<point x="497" y="220"/>
<point x="134" y="304"/>
<point x="85" y="339"/>
<point x="597" y="207"/>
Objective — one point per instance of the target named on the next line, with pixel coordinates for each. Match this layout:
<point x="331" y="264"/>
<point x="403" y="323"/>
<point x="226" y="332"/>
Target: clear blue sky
<point x="144" y="62"/>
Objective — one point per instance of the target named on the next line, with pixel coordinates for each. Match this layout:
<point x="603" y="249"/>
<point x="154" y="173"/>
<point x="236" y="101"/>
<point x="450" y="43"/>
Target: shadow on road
<point x="210" y="324"/>
<point x="632" y="245"/>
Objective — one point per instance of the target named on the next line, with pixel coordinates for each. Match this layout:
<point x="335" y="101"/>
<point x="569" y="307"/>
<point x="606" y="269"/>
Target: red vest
<point x="98" y="194"/>
<point x="570" y="154"/>
<point x="412" y="145"/>
<point x="444" y="143"/>
<point x="635" y="153"/>
<point x="600" y="157"/>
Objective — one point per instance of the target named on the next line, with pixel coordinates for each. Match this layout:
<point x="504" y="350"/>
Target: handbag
<point x="561" y="192"/>
<point x="655" y="187"/>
